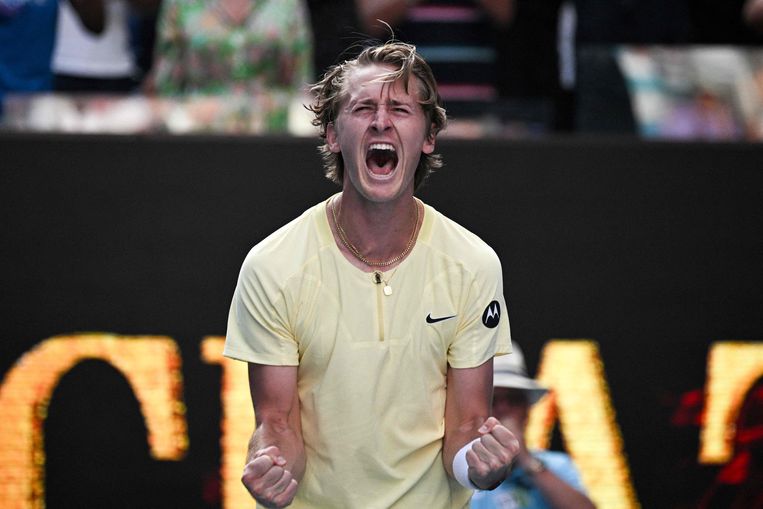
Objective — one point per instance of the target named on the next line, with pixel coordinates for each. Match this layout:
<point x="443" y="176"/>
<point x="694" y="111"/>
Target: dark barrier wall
<point x="653" y="250"/>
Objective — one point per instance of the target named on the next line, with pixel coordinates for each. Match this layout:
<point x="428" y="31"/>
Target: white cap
<point x="509" y="371"/>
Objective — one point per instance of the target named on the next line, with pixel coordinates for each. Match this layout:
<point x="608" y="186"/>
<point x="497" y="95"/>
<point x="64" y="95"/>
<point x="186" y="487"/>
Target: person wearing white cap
<point x="540" y="479"/>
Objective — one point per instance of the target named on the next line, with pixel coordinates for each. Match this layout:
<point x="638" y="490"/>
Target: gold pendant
<point x="378" y="279"/>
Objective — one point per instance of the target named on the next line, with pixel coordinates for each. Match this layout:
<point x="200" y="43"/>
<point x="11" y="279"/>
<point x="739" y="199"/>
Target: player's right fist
<point x="268" y="481"/>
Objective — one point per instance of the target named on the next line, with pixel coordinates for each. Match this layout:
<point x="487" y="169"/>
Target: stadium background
<point x="650" y="249"/>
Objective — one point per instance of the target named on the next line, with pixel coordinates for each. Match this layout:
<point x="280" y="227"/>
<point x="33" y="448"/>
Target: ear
<point x="331" y="138"/>
<point x="429" y="142"/>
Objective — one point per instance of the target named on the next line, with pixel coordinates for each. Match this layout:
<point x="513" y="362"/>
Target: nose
<point x="381" y="120"/>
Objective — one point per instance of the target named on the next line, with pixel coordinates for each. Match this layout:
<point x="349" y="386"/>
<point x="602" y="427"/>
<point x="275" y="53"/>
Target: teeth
<point x="382" y="146"/>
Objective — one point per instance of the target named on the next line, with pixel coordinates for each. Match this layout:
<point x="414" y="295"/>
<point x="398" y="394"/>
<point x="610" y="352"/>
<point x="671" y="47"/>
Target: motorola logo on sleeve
<point x="492" y="315"/>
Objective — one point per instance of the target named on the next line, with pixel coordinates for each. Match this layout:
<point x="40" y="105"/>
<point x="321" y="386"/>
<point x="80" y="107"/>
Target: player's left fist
<point x="490" y="458"/>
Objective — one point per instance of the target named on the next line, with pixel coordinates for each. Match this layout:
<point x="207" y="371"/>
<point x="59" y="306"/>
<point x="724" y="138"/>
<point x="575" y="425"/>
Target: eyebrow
<point x="389" y="102"/>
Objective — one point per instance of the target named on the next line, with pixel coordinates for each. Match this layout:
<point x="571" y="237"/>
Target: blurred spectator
<point x="245" y="59"/>
<point x="540" y="479"/>
<point x="703" y="92"/>
<point x="602" y="103"/>
<point x="739" y="484"/>
<point x="456" y="37"/>
<point x="103" y="62"/>
<point x="27" y="34"/>
<point x="550" y="62"/>
<point x="234" y="46"/>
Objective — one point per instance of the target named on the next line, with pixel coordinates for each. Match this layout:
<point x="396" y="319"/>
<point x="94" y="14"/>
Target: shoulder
<point x="450" y="238"/>
<point x="287" y="249"/>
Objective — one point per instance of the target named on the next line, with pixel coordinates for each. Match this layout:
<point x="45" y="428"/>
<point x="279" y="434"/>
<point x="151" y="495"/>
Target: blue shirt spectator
<point x="27" y="37"/>
<point x="519" y="491"/>
<point x="27" y="34"/>
<point x="540" y="479"/>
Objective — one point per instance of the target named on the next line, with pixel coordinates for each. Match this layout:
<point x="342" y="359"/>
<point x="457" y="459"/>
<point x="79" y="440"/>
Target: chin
<point x="384" y="192"/>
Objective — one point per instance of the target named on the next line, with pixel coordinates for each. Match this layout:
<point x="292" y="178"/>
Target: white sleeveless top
<point x="79" y="52"/>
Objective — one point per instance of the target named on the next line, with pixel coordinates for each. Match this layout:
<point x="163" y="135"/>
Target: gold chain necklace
<point x="354" y="250"/>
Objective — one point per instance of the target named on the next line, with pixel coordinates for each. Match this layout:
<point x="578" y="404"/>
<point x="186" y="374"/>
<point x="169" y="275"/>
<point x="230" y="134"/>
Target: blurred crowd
<point x="679" y="69"/>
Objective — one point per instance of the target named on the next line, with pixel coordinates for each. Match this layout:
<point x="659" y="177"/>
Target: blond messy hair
<point x="331" y="91"/>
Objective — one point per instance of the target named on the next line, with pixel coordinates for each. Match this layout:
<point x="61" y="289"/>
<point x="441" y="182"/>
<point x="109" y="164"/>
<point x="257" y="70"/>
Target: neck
<point x="379" y="231"/>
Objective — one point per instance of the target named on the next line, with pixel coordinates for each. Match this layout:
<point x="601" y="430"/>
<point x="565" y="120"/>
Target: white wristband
<point x="461" y="467"/>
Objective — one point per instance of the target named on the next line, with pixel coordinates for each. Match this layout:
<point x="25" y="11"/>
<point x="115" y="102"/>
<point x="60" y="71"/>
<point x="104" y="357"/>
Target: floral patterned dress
<point x="254" y="63"/>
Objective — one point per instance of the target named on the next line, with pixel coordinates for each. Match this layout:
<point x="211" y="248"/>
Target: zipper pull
<point x="378" y="280"/>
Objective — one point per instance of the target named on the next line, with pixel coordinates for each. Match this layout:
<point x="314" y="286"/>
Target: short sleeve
<point x="484" y="329"/>
<point x="259" y="330"/>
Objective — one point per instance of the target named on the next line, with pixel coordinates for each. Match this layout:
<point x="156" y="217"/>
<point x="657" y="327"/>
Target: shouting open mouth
<point x="381" y="158"/>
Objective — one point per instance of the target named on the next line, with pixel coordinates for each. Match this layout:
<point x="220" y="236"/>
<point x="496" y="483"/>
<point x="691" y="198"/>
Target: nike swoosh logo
<point x="440" y="319"/>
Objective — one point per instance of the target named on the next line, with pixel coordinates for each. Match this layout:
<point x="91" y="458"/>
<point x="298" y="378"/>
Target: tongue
<point x="381" y="162"/>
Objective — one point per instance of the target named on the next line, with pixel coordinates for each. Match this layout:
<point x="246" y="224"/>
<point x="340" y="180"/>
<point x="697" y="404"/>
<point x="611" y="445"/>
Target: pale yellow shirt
<point x="372" y="367"/>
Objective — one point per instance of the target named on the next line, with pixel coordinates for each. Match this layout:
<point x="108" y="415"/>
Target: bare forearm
<point x="276" y="456"/>
<point x="457" y="438"/>
<point x="277" y="410"/>
<point x="485" y="462"/>
<point x="289" y="442"/>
